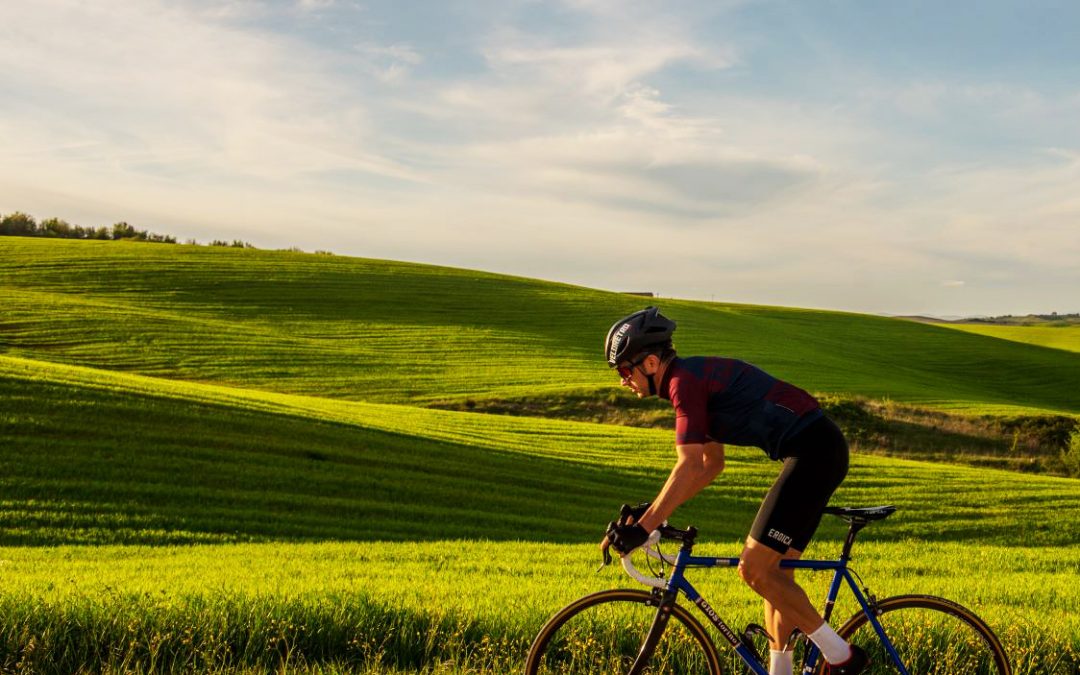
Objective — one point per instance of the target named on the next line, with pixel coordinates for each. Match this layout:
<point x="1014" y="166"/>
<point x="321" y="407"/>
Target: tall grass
<point x="444" y="606"/>
<point x="102" y="458"/>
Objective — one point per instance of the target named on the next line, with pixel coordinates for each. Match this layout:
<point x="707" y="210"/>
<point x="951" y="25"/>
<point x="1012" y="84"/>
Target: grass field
<point x="218" y="460"/>
<point x="1054" y="337"/>
<point x="139" y="460"/>
<point x="449" y="606"/>
<point x="369" y="330"/>
<point x="144" y="469"/>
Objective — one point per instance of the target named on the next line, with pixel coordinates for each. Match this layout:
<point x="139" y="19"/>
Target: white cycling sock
<point x="780" y="662"/>
<point x="832" y="646"/>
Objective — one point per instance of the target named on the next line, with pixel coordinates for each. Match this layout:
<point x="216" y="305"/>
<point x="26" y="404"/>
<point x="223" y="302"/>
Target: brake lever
<point x="607" y="560"/>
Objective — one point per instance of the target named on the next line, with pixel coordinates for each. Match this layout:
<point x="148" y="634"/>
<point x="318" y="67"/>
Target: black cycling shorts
<point x="815" y="462"/>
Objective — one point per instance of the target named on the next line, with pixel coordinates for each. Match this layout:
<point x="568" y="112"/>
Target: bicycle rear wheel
<point x="600" y="634"/>
<point x="931" y="636"/>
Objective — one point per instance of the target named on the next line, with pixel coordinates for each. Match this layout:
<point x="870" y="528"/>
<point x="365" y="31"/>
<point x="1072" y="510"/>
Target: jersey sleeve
<point x="691" y="412"/>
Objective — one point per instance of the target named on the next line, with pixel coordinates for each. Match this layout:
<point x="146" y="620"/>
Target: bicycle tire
<point x="601" y="633"/>
<point x="932" y="636"/>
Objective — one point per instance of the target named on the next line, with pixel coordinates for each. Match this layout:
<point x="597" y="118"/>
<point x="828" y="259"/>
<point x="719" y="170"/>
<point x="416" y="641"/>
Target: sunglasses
<point x="626" y="371"/>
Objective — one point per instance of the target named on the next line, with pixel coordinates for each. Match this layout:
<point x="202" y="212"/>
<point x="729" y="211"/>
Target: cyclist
<point x="722" y="400"/>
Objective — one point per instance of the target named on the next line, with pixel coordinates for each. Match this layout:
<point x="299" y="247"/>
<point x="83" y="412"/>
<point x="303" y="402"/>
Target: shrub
<point x="54" y="227"/>
<point x="1070" y="456"/>
<point x="122" y="230"/>
<point x="1047" y="431"/>
<point x="18" y="224"/>
<point x="860" y="424"/>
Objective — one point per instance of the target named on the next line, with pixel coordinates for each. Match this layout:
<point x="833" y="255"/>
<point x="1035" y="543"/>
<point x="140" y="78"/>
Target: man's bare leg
<point x="780" y="628"/>
<point x="759" y="566"/>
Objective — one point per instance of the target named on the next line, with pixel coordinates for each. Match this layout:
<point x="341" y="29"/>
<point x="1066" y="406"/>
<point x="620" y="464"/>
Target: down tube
<point x="744" y="653"/>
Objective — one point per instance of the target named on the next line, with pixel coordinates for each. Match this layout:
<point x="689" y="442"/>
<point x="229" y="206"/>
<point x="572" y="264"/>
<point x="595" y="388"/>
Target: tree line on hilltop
<point x="1026" y="319"/>
<point x="19" y="224"/>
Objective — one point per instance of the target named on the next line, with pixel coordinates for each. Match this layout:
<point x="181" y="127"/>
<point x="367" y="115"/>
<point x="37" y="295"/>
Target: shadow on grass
<point x="83" y="466"/>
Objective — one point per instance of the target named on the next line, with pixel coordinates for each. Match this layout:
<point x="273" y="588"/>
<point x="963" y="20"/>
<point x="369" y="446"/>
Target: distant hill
<point x="375" y="330"/>
<point x="1064" y="336"/>
<point x="1053" y="319"/>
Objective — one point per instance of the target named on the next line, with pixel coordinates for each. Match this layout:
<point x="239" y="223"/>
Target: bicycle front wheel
<point x="601" y="634"/>
<point x="931" y="636"/>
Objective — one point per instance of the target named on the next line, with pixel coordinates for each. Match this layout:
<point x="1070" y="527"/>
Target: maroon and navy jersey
<point x="731" y="401"/>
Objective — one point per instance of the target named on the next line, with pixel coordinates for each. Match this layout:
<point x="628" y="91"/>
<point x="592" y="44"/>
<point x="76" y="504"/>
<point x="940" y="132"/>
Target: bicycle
<point x="630" y="631"/>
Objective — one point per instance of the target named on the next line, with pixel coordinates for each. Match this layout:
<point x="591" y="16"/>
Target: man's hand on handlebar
<point x="625" y="538"/>
<point x="625" y="534"/>
<point x="631" y="514"/>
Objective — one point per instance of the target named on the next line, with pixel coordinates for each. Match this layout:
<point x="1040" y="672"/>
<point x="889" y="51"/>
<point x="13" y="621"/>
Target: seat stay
<point x="872" y="617"/>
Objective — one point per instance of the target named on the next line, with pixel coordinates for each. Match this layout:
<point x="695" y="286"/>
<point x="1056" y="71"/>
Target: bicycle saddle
<point x="863" y="515"/>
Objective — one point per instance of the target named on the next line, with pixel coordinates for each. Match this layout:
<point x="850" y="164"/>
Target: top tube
<point x="709" y="561"/>
<point x="704" y="561"/>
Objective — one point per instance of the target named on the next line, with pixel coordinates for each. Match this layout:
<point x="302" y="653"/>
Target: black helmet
<point x="639" y="332"/>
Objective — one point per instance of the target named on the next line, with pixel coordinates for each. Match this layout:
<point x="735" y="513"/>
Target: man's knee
<point x="758" y="574"/>
<point x="760" y="568"/>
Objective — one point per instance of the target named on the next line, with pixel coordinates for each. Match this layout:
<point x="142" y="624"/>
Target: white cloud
<point x="566" y="150"/>
<point x="142" y="86"/>
<point x="389" y="63"/>
<point x="601" y="71"/>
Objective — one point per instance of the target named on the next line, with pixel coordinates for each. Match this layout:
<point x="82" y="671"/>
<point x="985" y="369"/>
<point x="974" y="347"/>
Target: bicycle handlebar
<point x="648" y="547"/>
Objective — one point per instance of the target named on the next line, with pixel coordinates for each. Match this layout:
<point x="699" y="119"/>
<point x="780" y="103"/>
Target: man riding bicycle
<point x="720" y="400"/>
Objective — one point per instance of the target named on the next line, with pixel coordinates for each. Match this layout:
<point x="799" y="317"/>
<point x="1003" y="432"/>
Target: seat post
<point x="854" y="525"/>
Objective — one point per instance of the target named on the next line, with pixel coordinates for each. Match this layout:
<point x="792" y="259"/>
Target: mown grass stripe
<point x="242" y="464"/>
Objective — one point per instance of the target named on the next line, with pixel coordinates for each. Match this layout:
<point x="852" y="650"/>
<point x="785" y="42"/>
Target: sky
<point x="895" y="158"/>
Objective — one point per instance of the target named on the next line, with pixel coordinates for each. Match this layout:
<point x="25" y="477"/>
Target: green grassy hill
<point x="1055" y="337"/>
<point x="469" y="529"/>
<point x="98" y="457"/>
<point x="217" y="458"/>
<point x="393" y="332"/>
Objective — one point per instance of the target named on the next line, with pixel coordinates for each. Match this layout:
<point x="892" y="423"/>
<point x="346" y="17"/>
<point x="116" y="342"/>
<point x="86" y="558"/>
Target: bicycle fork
<point x="663" y="613"/>
<point x="665" y="601"/>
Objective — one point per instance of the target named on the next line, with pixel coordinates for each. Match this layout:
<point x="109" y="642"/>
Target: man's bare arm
<point x="696" y="467"/>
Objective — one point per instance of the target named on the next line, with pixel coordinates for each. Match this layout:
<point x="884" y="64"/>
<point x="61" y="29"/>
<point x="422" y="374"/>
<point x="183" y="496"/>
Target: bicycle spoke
<point x="931" y="637"/>
<point x="605" y="637"/>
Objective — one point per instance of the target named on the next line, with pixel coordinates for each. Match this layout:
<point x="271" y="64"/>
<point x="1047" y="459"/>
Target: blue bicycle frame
<point x="677" y="582"/>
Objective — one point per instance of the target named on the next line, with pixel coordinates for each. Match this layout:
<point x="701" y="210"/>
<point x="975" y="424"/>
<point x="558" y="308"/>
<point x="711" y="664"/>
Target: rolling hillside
<point x="223" y="460"/>
<point x="97" y="457"/>
<point x="339" y="537"/>
<point x="1055" y="337"/>
<point x="356" y="329"/>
